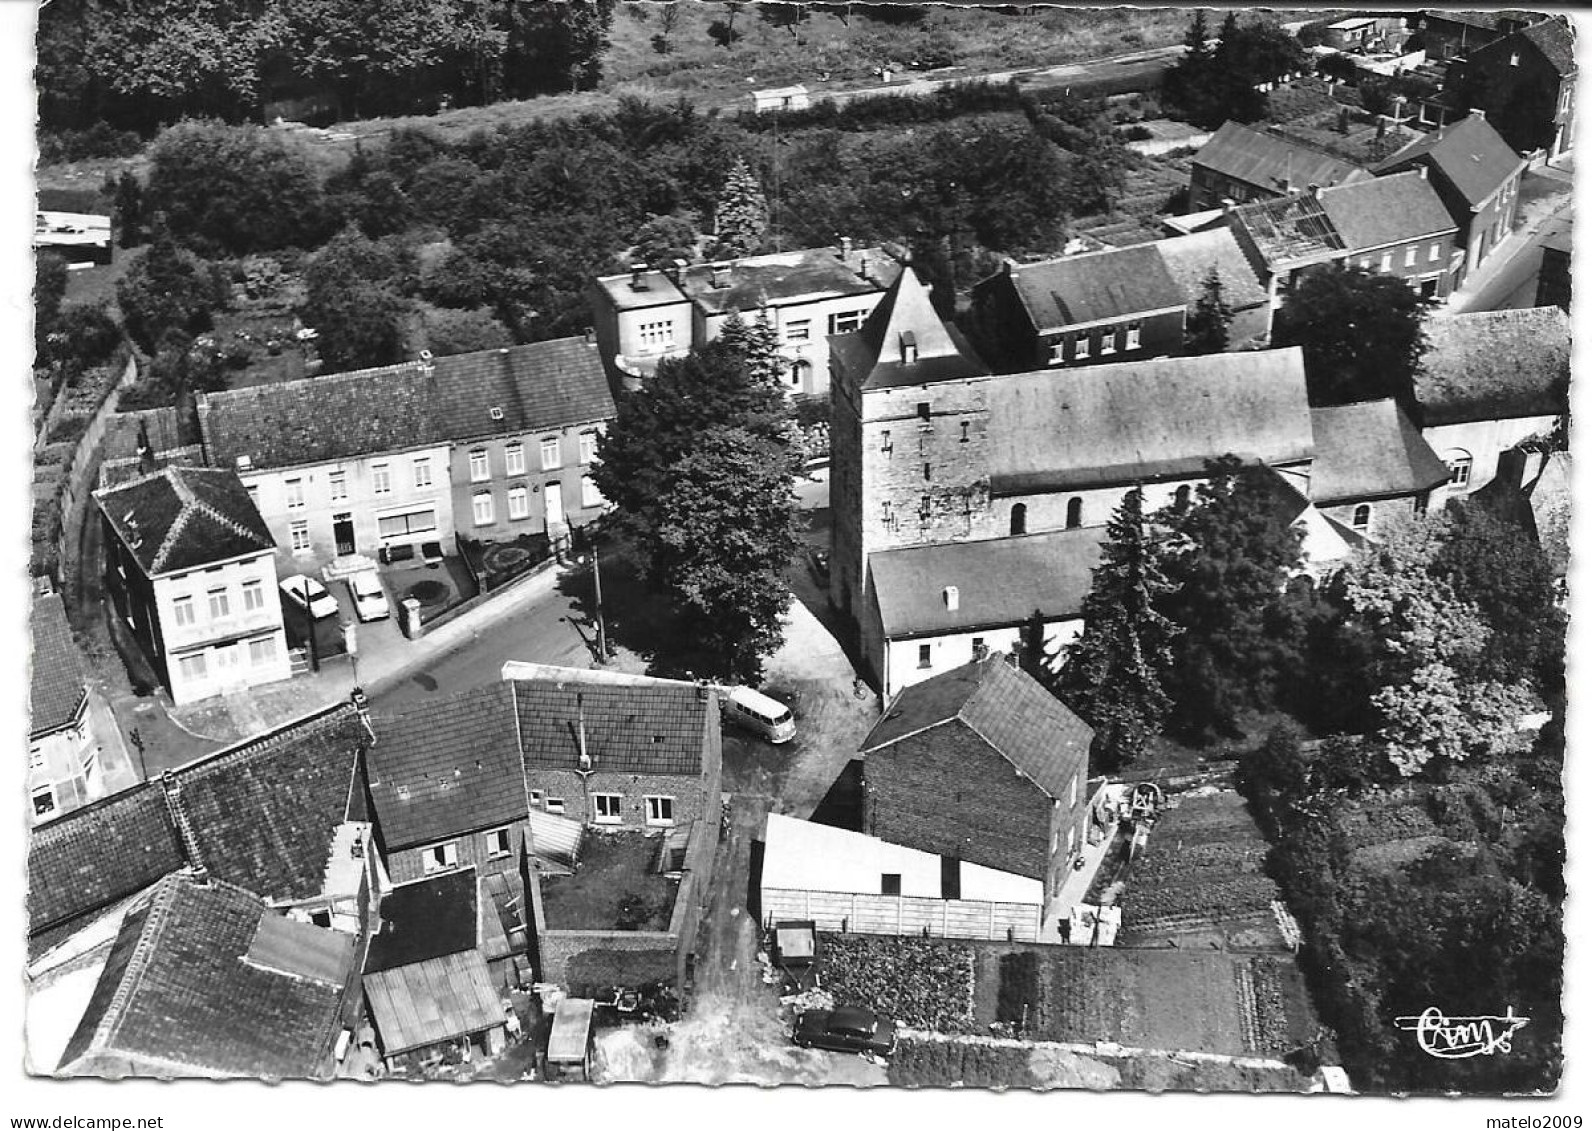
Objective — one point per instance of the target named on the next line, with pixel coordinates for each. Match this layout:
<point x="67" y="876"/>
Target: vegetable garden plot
<point x="922" y="983"/>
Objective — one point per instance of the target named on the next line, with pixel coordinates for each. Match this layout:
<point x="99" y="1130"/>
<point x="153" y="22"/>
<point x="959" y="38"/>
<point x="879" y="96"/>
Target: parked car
<point x="818" y="564"/>
<point x="370" y="599"/>
<point x="309" y="596"/>
<point x="752" y="710"/>
<point x="847" y="1028"/>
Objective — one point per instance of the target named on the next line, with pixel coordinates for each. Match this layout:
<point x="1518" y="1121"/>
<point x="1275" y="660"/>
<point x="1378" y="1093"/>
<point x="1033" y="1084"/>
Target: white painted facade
<point x="1481" y="442"/>
<point x="221" y="627"/>
<point x="904" y="659"/>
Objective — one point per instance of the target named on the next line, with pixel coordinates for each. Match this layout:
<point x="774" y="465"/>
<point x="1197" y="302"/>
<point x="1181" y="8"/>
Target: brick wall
<point x="949" y="792"/>
<point x="408" y="863"/>
<point x="688" y="794"/>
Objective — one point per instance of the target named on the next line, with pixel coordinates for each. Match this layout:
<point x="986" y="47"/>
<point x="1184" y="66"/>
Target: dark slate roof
<point x="1190" y="258"/>
<point x="1556" y="41"/>
<point x="262" y="814"/>
<point x="1007" y="708"/>
<point x="1370" y="450"/>
<point x="180" y="996"/>
<point x="58" y="681"/>
<point x="1386" y="210"/>
<point x="184" y="517"/>
<point x="875" y="350"/>
<point x="1469" y="153"/>
<point x="657" y="728"/>
<point x="1111" y="284"/>
<point x="426" y="919"/>
<point x="768" y="280"/>
<point x="448" y="767"/>
<point x="544" y="385"/>
<point x="91" y="858"/>
<point x="1272" y="162"/>
<point x="1494" y="365"/>
<point x="998" y="582"/>
<point x="1138" y="421"/>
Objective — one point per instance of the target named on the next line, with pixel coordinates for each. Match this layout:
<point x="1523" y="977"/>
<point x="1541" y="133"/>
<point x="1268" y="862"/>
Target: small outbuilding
<point x="569" y="1042"/>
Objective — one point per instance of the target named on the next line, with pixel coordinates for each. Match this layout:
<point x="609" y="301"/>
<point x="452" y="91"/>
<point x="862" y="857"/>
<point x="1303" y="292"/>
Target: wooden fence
<point x="906" y="915"/>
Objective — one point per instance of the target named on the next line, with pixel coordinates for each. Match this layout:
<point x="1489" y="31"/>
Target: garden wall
<point x="483" y="597"/>
<point x="82" y="474"/>
<point x="906" y="915"/>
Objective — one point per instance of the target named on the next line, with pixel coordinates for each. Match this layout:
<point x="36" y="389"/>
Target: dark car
<point x="846" y="1029"/>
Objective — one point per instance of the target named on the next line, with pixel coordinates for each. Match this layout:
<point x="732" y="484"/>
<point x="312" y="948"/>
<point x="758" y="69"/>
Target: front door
<point x="553" y="506"/>
<point x="343" y="533"/>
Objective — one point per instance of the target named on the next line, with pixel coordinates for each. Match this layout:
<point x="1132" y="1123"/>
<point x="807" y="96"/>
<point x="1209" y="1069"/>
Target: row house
<point x="63" y="753"/>
<point x="1120" y="304"/>
<point x="1476" y="175"/>
<point x="1525" y="82"/>
<point x="1393" y="225"/>
<point x="645" y="316"/>
<point x="981" y="765"/>
<point x="1241" y="164"/>
<point x="184" y="896"/>
<point x="1489" y="382"/>
<point x="488" y="445"/>
<point x="190" y="566"/>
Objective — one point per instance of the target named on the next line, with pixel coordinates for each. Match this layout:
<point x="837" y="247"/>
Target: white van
<point x="756" y="712"/>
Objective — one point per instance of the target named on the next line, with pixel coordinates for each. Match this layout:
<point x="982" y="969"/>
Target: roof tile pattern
<point x="58" y="682"/>
<point x="1387" y="210"/>
<point x="1494" y="365"/>
<point x="878" y="353"/>
<point x="1027" y="725"/>
<point x="1266" y="160"/>
<point x="1189" y="260"/>
<point x="655" y="729"/>
<point x="1081" y="289"/>
<point x="1469" y="153"/>
<point x="448" y="767"/>
<point x="184" y="517"/>
<point x="178" y="995"/>
<point x="1370" y="450"/>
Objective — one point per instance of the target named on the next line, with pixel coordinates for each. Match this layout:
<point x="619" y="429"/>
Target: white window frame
<point x="480" y="467"/>
<point x="482" y="509"/>
<point x="552" y="458"/>
<point x="262" y="651"/>
<point x="1387" y="262"/>
<point x="219" y="602"/>
<point x="1081" y="346"/>
<point x="1135" y="335"/>
<point x="1356" y="522"/>
<point x="1436" y="253"/>
<point x="422" y="473"/>
<point x="1459" y="471"/>
<point x="514" y="459"/>
<point x="590" y="496"/>
<point x="536" y="796"/>
<point x="298" y="534"/>
<point x="555" y="805"/>
<point x="660" y="810"/>
<point x="519" y="502"/>
<point x="193" y="666"/>
<point x="614" y="802"/>
<point x="588" y="447"/>
<point x="847" y="321"/>
<point x="183" y="614"/>
<point x="925" y="656"/>
<point x="380" y="479"/>
<point x="46" y="792"/>
<point x="499" y="843"/>
<point x="1409" y="256"/>
<point x="337" y="485"/>
<point x="1108" y="340"/>
<point x="436" y="858"/>
<point x="1072" y="792"/>
<point x="799" y="330"/>
<point x="253" y="596"/>
<point x="293" y="489"/>
<point x="656" y="336"/>
<point x="1058" y="351"/>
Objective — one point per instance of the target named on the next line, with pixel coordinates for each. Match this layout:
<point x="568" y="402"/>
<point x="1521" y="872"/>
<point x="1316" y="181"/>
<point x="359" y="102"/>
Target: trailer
<point x="569" y="1043"/>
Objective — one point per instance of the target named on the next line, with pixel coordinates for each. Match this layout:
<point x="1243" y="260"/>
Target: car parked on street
<point x="309" y="596"/>
<point x="370" y="599"/>
<point x="846" y="1028"/>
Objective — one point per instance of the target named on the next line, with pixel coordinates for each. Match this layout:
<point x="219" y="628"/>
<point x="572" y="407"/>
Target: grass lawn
<point x="613" y="887"/>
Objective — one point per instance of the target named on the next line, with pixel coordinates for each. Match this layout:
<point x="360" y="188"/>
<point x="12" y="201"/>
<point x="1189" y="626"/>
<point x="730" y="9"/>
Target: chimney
<point x="1313" y="191"/>
<point x="362" y="708"/>
<point x="864" y="268"/>
<point x="591" y="335"/>
<point x="716" y="275"/>
<point x="1228" y="204"/>
<point x="845" y="248"/>
<point x="953" y="598"/>
<point x="425" y="362"/>
<point x="1421" y="169"/>
<point x="580" y="713"/>
<point x="637" y="270"/>
<point x="909" y="348"/>
<point x="200" y="876"/>
<point x="673" y="271"/>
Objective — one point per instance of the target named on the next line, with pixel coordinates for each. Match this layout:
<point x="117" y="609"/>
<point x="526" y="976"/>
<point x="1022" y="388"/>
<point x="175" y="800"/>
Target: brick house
<point x="1477" y="176"/>
<point x="190" y="565"/>
<point x="63" y="754"/>
<point x="1488" y="382"/>
<point x="1117" y="304"/>
<point x="1242" y="164"/>
<point x="488" y="445"/>
<point x="645" y="316"/>
<point x="1525" y="82"/>
<point x="981" y="764"/>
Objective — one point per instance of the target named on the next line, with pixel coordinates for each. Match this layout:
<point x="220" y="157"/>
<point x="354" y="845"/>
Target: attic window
<point x="657" y="739"/>
<point x="495" y="413"/>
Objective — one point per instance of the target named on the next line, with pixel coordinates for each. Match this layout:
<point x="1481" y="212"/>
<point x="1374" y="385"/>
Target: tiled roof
<point x="1370" y="450"/>
<point x="657" y="729"/>
<point x="543" y="385"/>
<point x="425" y="919"/>
<point x="1387" y="210"/>
<point x="58" y="684"/>
<point x="183" y="517"/>
<point x="448" y="767"/>
<point x="180" y="996"/>
<point x="1469" y="153"/>
<point x="1190" y="258"/>
<point x="1494" y="365"/>
<point x="1272" y="162"/>
<point x="262" y="814"/>
<point x="90" y="858"/>
<point x="765" y="280"/>
<point x="876" y="351"/>
<point x="1110" y="284"/>
<point x="1556" y="41"/>
<point x="998" y="582"/>
<point x="1006" y="707"/>
<point x="1136" y="421"/>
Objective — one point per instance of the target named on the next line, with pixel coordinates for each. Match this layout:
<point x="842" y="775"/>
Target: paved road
<point x="1507" y="279"/>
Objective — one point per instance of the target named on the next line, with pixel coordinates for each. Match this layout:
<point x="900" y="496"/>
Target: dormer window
<point x="909" y="348"/>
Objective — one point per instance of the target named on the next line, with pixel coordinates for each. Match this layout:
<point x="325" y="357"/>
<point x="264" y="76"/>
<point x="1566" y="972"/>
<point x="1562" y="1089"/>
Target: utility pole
<point x="602" y="630"/>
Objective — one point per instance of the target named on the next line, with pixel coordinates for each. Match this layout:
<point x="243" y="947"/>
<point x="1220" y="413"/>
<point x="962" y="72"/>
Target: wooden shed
<point x="436" y="1001"/>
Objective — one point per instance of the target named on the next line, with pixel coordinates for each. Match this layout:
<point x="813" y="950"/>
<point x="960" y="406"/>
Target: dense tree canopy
<point x="1361" y="334"/>
<point x="169" y="289"/>
<point x="353" y="305"/>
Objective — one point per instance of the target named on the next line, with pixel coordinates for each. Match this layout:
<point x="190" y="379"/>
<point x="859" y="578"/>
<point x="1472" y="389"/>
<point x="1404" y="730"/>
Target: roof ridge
<point x="172" y="791"/>
<point x="161" y="902"/>
<point x="263" y="742"/>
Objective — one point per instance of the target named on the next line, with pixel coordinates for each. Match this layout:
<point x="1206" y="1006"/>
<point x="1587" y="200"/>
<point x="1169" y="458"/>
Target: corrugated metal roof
<point x="426" y="1003"/>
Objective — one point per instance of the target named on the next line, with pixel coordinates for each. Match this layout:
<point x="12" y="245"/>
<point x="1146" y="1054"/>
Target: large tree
<point x="1114" y="673"/>
<point x="1361" y="334"/>
<point x="169" y="289"/>
<point x="1233" y="552"/>
<point x="742" y="215"/>
<point x="353" y="302"/>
